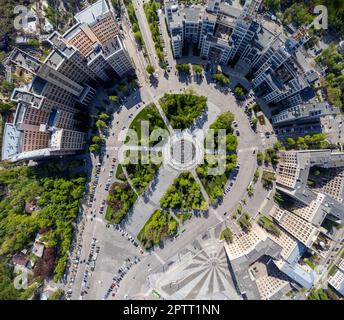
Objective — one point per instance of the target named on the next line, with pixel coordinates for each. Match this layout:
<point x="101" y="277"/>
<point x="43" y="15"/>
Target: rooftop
<point x="191" y="14"/>
<point x="25" y="60"/>
<point x="92" y="13"/>
<point x="11" y="141"/>
<point x="27" y="97"/>
<point x="229" y="10"/>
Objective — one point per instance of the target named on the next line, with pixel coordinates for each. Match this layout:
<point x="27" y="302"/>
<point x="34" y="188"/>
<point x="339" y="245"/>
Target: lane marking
<point x="162" y="261"/>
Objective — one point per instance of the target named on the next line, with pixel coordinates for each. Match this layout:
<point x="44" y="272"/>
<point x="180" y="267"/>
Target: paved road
<point x="146" y="34"/>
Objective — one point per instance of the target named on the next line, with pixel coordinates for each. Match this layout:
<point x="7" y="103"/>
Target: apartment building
<point x="44" y="123"/>
<point x="96" y="35"/>
<point x="266" y="265"/>
<point x="304" y="119"/>
<point x="221" y="31"/>
<point x="292" y="176"/>
<point x="337" y="279"/>
<point x="226" y="33"/>
<point x="300" y="229"/>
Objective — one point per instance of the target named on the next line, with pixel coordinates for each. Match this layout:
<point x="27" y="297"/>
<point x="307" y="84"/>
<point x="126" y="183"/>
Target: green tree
<point x="298" y="13"/>
<point x="197" y="69"/>
<point x="114" y="99"/>
<point x="317" y="294"/>
<point x="244" y="222"/>
<point x="226" y="235"/>
<point x="34" y="43"/>
<point x="334" y="95"/>
<point x="277" y="197"/>
<point x="7" y="87"/>
<point x="260" y="157"/>
<point x="239" y="91"/>
<point x="250" y="191"/>
<point x="273" y="5"/>
<point x="291" y="143"/>
<point x="138" y="37"/>
<point x="183" y="68"/>
<point x="256" y="175"/>
<point x="150" y="69"/>
<point x="122" y="88"/>
<point x="221" y="78"/>
<point x="100" y="124"/>
<point x="97" y="139"/>
<point x="6" y="106"/>
<point x="103" y="116"/>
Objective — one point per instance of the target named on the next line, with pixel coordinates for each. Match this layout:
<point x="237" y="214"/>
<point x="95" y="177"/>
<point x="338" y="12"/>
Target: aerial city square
<point x="172" y="150"/>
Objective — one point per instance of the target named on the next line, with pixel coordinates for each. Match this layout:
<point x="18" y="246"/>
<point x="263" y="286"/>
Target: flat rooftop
<point x="229" y="10"/>
<point x="25" y="60"/>
<point x="54" y="59"/>
<point x="11" y="141"/>
<point x="26" y="96"/>
<point x="38" y="85"/>
<point x="92" y="13"/>
<point x="191" y="14"/>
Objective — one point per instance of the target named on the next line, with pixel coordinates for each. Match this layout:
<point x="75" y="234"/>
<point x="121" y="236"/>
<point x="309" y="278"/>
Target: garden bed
<point x="159" y="226"/>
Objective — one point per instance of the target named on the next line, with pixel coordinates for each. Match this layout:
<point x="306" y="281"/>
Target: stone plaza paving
<point x="199" y="271"/>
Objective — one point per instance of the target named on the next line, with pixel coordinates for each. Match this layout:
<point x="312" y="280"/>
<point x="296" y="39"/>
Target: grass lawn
<point x="309" y="263"/>
<point x="119" y="173"/>
<point x="151" y="114"/>
<point x="159" y="226"/>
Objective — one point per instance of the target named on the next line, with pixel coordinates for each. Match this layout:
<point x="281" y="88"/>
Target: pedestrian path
<point x="149" y="201"/>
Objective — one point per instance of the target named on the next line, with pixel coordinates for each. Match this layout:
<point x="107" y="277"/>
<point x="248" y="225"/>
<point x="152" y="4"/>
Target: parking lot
<point x="111" y="256"/>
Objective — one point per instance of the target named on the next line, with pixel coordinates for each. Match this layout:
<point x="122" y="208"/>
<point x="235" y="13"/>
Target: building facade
<point x="89" y="53"/>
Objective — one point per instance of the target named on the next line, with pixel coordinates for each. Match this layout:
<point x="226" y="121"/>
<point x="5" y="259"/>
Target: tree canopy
<point x="183" y="109"/>
<point x="56" y="194"/>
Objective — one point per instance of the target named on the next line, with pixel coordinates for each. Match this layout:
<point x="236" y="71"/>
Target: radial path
<point x="149" y="201"/>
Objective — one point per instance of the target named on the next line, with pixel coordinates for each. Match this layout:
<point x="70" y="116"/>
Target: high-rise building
<point x="326" y="197"/>
<point x="220" y="31"/>
<point x="44" y="123"/>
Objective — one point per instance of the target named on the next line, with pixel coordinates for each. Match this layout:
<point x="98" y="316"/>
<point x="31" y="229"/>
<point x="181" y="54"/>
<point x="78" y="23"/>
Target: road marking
<point x="247" y="149"/>
<point x="162" y="261"/>
<point x="99" y="220"/>
<point x="216" y="214"/>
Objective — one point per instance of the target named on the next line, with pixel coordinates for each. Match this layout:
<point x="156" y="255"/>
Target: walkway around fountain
<point x="149" y="201"/>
